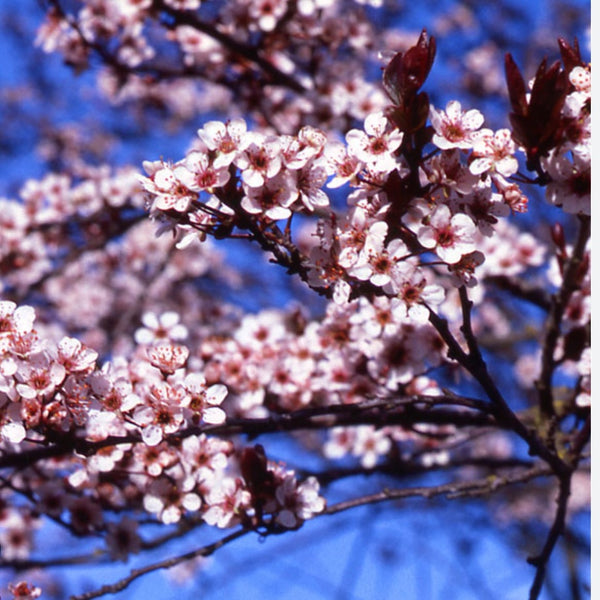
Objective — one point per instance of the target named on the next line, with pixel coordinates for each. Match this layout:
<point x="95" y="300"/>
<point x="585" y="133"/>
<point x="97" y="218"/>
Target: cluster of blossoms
<point x="278" y="176"/>
<point x="232" y="176"/>
<point x="33" y="228"/>
<point x="569" y="163"/>
<point x="424" y="233"/>
<point x="58" y="392"/>
<point x="218" y="44"/>
<point x="385" y="245"/>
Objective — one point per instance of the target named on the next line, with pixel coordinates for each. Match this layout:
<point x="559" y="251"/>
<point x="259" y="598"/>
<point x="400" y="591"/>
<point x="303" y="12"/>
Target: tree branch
<point x="541" y="561"/>
<point x="244" y="51"/>
<point x="120" y="585"/>
<point x="475" y="365"/>
<point x="405" y="412"/>
<point x="449" y="490"/>
<point x="571" y="281"/>
<point x="520" y="289"/>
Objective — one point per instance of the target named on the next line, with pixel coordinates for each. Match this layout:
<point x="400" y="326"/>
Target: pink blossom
<point x="482" y="205"/>
<point x="75" y="357"/>
<point x="375" y="146"/>
<point x="358" y="237"/>
<point x="273" y="199"/>
<point x="204" y="400"/>
<point x="134" y="49"/>
<point x="342" y="164"/>
<point x="369" y="444"/>
<point x="310" y="180"/>
<point x="39" y="376"/>
<point x="381" y="265"/>
<point x="416" y="295"/>
<point x="168" y="190"/>
<point x="13" y="432"/>
<point x="340" y="442"/>
<point x="447" y="170"/>
<point x="260" y="160"/>
<point x="298" y="502"/>
<point x="226" y="502"/>
<point x="17" y="319"/>
<point x="197" y="47"/>
<point x="202" y="453"/>
<point x="168" y="357"/>
<point x="169" y="499"/>
<point x="493" y="150"/>
<point x="454" y="128"/>
<point x="226" y="139"/>
<point x="449" y="235"/>
<point x="161" y="414"/>
<point x="162" y="328"/>
<point x="197" y="173"/>
<point x="267" y="12"/>
<point x="570" y="187"/>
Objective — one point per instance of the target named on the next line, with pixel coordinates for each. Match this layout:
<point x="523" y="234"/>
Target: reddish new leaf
<point x="516" y="86"/>
<point x="571" y="55"/>
<point x="406" y="73"/>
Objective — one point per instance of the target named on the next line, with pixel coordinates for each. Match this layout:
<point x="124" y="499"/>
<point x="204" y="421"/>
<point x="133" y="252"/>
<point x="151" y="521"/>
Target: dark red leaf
<point x="391" y="78"/>
<point x="571" y="56"/>
<point x="516" y="86"/>
<point x="406" y="73"/>
<point x="417" y="63"/>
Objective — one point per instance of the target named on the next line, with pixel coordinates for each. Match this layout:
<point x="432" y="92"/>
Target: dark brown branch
<point x="244" y="51"/>
<point x="120" y="585"/>
<point x="540" y="562"/>
<point x="450" y="490"/>
<point x="380" y="414"/>
<point x="475" y="365"/>
<point x="68" y="561"/>
<point x="188" y="522"/>
<point x="520" y="289"/>
<point x="570" y="283"/>
<point x="399" y="468"/>
<point x="404" y="411"/>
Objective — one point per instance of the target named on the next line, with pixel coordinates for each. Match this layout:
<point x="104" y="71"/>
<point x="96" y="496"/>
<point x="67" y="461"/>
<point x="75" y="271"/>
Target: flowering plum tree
<point x="441" y="341"/>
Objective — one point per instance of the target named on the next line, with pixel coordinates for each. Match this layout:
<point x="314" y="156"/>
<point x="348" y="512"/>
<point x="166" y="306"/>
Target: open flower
<point x="375" y="146"/>
<point x="226" y="139"/>
<point x="160" y="328"/>
<point x="167" y="190"/>
<point x="450" y="236"/>
<point x="298" y="501"/>
<point x="204" y="401"/>
<point x="453" y="127"/>
<point x="198" y="173"/>
<point x="260" y="161"/>
<point x="570" y="187"/>
<point x="273" y="199"/>
<point x="493" y="151"/>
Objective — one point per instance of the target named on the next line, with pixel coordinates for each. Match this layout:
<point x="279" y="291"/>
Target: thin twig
<point x="570" y="283"/>
<point x="475" y="365"/>
<point x="451" y="490"/>
<point x="541" y="560"/>
<point x="120" y="585"/>
<point x="244" y="51"/>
